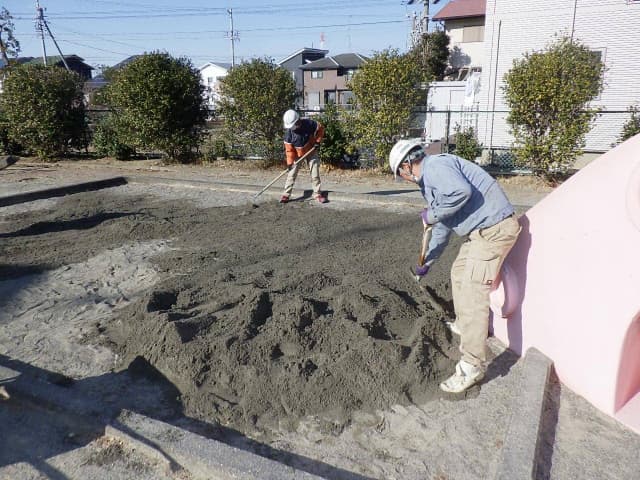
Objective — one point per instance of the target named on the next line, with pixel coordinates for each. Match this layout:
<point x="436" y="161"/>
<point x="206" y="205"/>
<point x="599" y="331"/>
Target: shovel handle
<point x="426" y="237"/>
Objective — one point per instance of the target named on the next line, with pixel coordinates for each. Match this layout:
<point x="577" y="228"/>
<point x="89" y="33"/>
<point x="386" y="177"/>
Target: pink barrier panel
<point x="571" y="285"/>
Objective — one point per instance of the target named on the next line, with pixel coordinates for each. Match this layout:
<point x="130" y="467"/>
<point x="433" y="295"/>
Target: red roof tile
<point x="461" y="9"/>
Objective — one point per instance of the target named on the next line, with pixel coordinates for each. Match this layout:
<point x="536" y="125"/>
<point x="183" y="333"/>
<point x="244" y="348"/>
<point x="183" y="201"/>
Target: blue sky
<point x="104" y="32"/>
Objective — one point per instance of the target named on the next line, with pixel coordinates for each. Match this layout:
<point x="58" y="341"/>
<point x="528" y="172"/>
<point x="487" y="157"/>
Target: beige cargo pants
<point x="314" y="169"/>
<point x="472" y="275"/>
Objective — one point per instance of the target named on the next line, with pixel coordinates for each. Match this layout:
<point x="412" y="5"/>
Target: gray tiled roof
<point x="333" y="62"/>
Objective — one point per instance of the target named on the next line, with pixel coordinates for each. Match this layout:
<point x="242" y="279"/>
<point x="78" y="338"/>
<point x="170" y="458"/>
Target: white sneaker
<point x="466" y="376"/>
<point x="453" y="328"/>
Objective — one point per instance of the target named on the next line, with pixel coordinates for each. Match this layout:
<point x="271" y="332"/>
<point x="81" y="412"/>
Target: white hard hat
<point x="290" y="118"/>
<point x="400" y="150"/>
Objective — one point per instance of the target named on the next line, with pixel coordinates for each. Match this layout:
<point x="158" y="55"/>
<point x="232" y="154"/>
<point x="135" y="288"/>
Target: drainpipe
<point x="495" y="88"/>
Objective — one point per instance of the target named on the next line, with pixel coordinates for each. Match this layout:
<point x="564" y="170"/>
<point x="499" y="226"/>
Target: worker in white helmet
<point x="301" y="135"/>
<point x="462" y="197"/>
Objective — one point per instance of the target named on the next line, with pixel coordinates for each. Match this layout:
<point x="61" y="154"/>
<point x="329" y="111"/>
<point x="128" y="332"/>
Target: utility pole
<point x="233" y="36"/>
<point x="41" y="26"/>
<point x="419" y="24"/>
<point x="40" y="30"/>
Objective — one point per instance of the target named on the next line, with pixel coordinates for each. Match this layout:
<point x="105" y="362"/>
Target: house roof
<point x="303" y="50"/>
<point x="226" y="66"/>
<point x="344" y="60"/>
<point x="456" y="9"/>
<point x="125" y="62"/>
<point x="51" y="60"/>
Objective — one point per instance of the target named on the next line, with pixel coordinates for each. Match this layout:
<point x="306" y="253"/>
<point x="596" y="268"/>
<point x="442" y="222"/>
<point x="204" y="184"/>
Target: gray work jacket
<point x="461" y="196"/>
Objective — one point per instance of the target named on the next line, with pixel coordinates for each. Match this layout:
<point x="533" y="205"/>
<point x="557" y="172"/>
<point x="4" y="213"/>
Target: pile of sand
<point x="261" y="316"/>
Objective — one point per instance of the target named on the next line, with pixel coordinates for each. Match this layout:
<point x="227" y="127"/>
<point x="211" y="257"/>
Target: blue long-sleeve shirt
<point x="461" y="197"/>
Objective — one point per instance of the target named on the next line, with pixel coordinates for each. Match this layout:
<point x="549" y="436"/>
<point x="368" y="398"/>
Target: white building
<point x="463" y="21"/>
<point x="514" y="27"/>
<point x="210" y="75"/>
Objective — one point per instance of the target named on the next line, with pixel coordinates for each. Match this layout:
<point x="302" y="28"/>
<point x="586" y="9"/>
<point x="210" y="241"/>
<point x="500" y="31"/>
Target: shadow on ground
<point x="67" y="419"/>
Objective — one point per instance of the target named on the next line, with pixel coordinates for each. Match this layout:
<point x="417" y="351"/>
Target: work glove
<point x="422" y="270"/>
<point x="425" y="217"/>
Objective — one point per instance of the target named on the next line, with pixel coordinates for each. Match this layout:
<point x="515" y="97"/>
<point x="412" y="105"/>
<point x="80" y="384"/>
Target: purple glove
<point x="425" y="217"/>
<point x="422" y="270"/>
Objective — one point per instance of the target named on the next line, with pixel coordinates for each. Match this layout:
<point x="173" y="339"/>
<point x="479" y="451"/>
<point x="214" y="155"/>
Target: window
<point x="316" y="73"/>
<point x="473" y="34"/>
<point x="329" y="96"/>
<point x="313" y="99"/>
<point x="346" y="97"/>
<point x="209" y="80"/>
<point x="348" y="74"/>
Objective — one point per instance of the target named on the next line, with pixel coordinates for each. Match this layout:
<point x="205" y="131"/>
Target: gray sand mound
<point x="263" y="315"/>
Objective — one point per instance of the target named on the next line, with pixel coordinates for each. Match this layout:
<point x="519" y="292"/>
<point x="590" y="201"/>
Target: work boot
<point x="7" y="161"/>
<point x="321" y="198"/>
<point x="466" y="376"/>
<point x="284" y="199"/>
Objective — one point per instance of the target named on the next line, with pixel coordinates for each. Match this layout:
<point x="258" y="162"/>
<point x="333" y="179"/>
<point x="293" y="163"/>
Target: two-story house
<point x="463" y="21"/>
<point x="297" y="59"/>
<point x="325" y="80"/>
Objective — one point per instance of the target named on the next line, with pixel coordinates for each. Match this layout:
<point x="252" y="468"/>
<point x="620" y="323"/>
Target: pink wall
<point x="571" y="285"/>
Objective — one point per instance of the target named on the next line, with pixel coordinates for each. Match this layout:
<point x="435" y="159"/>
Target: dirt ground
<point x="295" y="326"/>
<point x="262" y="315"/>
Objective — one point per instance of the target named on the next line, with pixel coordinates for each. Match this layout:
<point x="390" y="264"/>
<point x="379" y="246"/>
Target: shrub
<point x="334" y="146"/>
<point x="254" y="96"/>
<point x="157" y="102"/>
<point x="6" y="144"/>
<point x="385" y="90"/>
<point x="106" y="142"/>
<point x="548" y="94"/>
<point x="213" y="148"/>
<point x="44" y="109"/>
<point x="631" y="127"/>
<point x="467" y="145"/>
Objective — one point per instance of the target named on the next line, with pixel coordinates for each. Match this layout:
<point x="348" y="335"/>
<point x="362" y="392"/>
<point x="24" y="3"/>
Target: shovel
<point x="426" y="237"/>
<point x="253" y="201"/>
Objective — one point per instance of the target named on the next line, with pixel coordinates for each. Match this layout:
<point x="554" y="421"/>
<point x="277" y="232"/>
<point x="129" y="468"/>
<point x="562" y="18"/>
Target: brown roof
<point x="461" y="9"/>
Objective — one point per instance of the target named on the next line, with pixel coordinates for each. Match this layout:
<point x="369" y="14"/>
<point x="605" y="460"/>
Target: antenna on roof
<point x="41" y="26"/>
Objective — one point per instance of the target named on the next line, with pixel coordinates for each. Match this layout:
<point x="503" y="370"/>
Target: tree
<point x="431" y="55"/>
<point x="44" y="109"/>
<point x="9" y="47"/>
<point x="385" y="91"/>
<point x="254" y="96"/>
<point x="548" y="93"/>
<point x="156" y="102"/>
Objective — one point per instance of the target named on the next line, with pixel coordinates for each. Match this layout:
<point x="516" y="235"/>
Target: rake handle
<point x="281" y="174"/>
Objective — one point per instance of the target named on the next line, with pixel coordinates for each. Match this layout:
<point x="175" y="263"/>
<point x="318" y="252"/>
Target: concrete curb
<point x="61" y="191"/>
<point x="522" y="440"/>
